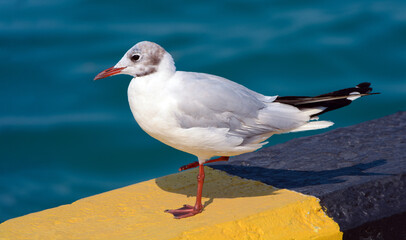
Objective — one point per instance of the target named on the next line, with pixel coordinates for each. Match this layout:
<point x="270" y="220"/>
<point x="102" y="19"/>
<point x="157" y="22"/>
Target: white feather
<point x="313" y="126"/>
<point x="354" y="97"/>
<point x="313" y="111"/>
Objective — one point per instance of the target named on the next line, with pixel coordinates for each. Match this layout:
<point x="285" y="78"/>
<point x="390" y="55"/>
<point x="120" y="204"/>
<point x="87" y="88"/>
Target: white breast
<point x="152" y="106"/>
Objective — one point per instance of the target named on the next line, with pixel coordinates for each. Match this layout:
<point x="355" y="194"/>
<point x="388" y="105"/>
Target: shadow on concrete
<point x="217" y="185"/>
<point x="284" y="178"/>
<point x="226" y="186"/>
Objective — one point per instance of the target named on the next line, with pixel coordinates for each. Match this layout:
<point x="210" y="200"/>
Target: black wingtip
<point x="330" y="101"/>
<point x="364" y="85"/>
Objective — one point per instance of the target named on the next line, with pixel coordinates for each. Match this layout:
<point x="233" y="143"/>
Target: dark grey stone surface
<point x="358" y="172"/>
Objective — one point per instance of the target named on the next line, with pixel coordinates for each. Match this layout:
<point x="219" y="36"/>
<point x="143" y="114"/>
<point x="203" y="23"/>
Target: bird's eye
<point x="135" y="57"/>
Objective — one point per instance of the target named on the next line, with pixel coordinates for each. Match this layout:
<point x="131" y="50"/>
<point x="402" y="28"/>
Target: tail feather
<point x="314" y="125"/>
<point x="329" y="101"/>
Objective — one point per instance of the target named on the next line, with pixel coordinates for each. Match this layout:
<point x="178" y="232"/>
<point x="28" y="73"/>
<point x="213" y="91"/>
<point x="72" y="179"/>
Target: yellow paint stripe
<point x="236" y="209"/>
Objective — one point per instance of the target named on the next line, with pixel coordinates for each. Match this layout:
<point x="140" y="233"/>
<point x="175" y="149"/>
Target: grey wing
<point x="211" y="101"/>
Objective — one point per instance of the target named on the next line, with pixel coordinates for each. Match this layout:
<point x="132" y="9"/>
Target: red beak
<point x="108" y="72"/>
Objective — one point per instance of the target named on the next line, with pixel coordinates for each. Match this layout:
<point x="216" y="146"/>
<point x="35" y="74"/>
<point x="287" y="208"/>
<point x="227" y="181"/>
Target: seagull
<point x="209" y="116"/>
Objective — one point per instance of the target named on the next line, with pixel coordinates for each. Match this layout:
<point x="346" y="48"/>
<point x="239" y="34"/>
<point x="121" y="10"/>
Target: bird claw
<point x="184" y="212"/>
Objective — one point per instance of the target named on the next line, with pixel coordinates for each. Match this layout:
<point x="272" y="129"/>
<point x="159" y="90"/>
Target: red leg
<point x="195" y="164"/>
<point x="187" y="210"/>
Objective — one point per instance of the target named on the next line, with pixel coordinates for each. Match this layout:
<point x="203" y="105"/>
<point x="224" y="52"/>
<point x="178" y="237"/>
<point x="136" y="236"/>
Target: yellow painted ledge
<point x="236" y="208"/>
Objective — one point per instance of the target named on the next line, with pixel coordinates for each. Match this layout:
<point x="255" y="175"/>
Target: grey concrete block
<point x="358" y="172"/>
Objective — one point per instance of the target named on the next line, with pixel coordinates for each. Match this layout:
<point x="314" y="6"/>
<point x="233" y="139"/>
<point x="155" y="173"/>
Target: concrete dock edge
<point x="236" y="208"/>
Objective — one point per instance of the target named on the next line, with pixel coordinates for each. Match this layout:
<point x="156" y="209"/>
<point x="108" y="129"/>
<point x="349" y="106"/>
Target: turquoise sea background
<point x="64" y="137"/>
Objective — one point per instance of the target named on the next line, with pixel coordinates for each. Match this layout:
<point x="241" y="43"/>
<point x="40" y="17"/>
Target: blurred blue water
<point x="64" y="137"/>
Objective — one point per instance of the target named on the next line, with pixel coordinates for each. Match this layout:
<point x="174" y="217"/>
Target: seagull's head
<point x="143" y="59"/>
